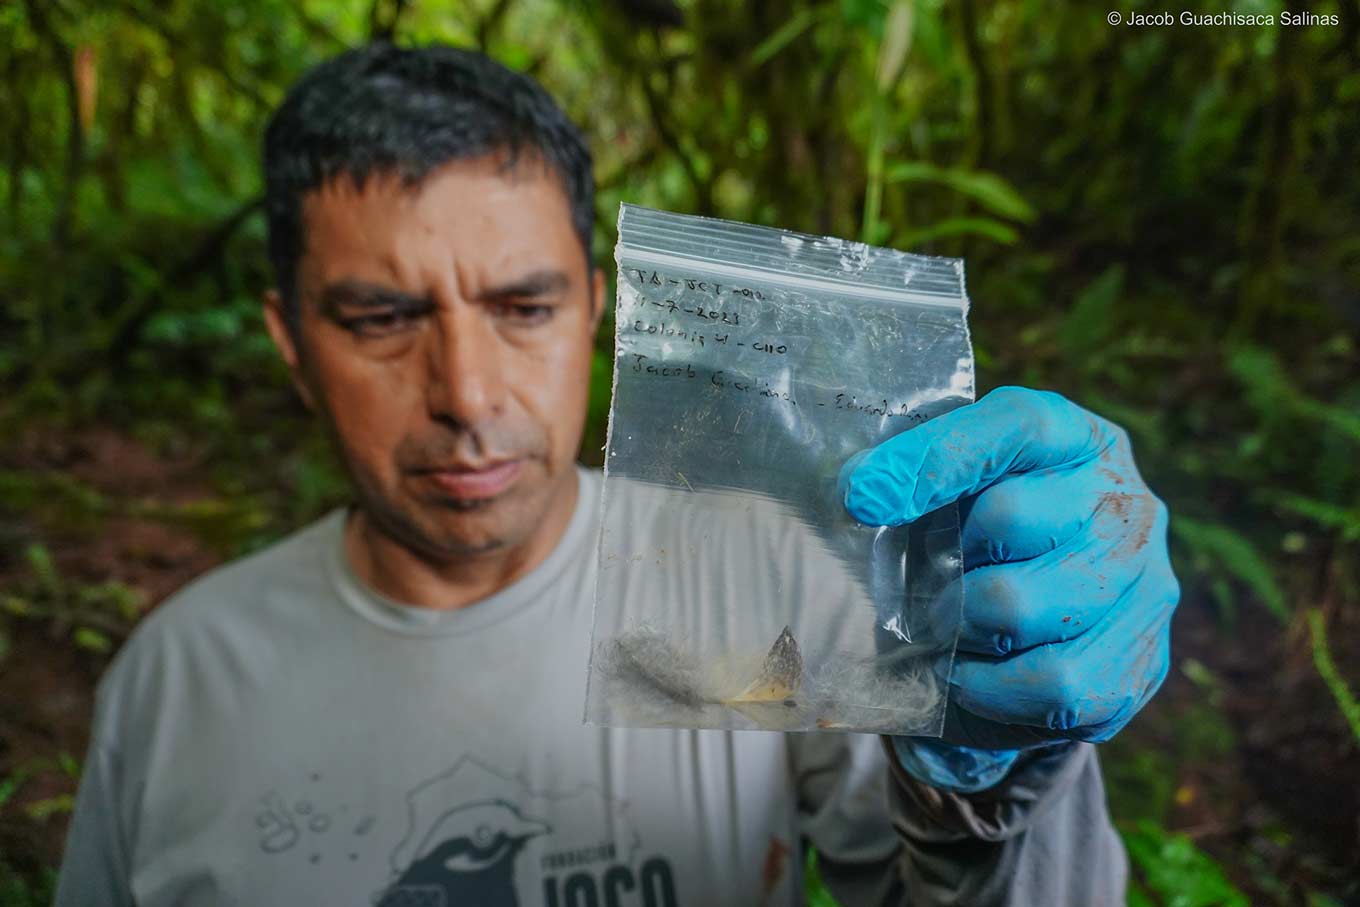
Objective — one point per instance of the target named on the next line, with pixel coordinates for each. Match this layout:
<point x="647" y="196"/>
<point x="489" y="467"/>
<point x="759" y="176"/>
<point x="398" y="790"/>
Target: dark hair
<point x="381" y="109"/>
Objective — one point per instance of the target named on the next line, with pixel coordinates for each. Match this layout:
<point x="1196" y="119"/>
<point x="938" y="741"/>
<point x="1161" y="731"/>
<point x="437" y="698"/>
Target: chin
<point x="456" y="528"/>
<point x="441" y="526"/>
<point x="440" y="532"/>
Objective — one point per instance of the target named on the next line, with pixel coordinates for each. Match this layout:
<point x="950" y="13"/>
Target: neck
<point x="396" y="571"/>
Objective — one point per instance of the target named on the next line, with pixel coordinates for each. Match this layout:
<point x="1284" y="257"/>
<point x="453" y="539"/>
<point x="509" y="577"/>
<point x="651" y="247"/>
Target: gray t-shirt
<point x="278" y="733"/>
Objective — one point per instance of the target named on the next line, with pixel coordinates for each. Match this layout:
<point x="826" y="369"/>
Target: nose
<point x="466" y="384"/>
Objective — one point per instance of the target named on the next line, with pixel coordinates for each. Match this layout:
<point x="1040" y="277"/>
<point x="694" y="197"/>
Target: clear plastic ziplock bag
<point x="734" y="591"/>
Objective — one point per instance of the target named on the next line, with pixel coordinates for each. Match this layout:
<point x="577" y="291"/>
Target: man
<point x="385" y="707"/>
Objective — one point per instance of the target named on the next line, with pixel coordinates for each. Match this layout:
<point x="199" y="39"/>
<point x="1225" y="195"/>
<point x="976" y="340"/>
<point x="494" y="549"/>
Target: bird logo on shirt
<point x="467" y="857"/>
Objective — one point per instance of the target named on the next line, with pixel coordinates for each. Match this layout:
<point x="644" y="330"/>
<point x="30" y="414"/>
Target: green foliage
<point x="990" y="191"/>
<point x="1220" y="550"/>
<point x="1326" y="667"/>
<point x="92" y="615"/>
<point x="40" y="809"/>
<point x="1344" y="521"/>
<point x="22" y="890"/>
<point x="225" y="523"/>
<point x="1170" y="871"/>
<point x="1091" y="321"/>
<point x="956" y="227"/>
<point x="44" y="809"/>
<point x="61" y="503"/>
<point x="786" y="34"/>
<point x="1272" y="391"/>
<point x="1142" y="780"/>
<point x="89" y="638"/>
<point x="52" y="498"/>
<point x="814" y="889"/>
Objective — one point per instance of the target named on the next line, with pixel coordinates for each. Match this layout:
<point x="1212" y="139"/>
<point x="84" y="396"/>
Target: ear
<point x="598" y="286"/>
<point x="276" y="320"/>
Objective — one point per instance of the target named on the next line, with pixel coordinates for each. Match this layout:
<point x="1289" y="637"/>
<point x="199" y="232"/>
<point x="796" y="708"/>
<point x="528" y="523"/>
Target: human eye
<point x="384" y="323"/>
<point x="526" y="314"/>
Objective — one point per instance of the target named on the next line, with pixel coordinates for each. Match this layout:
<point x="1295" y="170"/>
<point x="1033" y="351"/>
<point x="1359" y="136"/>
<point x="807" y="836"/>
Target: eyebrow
<point x="362" y="295"/>
<point x="543" y="282"/>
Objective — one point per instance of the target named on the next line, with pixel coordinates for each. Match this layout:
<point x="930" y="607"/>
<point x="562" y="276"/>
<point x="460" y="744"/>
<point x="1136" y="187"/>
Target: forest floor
<point x="1243" y="754"/>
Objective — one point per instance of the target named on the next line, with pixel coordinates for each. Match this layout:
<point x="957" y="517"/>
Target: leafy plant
<point x="1326" y="667"/>
<point x="23" y="890"/>
<point x="1170" y="871"/>
<point x="92" y="615"/>
<point x="814" y="889"/>
<point x="1220" y="550"/>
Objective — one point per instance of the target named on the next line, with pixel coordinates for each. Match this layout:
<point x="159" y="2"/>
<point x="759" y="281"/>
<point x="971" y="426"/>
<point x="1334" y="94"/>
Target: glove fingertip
<point x="872" y="494"/>
<point x="848" y="468"/>
<point x="876" y="500"/>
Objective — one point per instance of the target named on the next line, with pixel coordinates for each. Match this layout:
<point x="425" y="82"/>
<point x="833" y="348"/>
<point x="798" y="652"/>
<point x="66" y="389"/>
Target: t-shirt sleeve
<point x="1041" y="836"/>
<point x="94" y="869"/>
<point x="842" y="784"/>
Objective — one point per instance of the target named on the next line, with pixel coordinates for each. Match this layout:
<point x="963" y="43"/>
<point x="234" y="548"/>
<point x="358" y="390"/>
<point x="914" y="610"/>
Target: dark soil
<point x="1283" y="803"/>
<point x="47" y="695"/>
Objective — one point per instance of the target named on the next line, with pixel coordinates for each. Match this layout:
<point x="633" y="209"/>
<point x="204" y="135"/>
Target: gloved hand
<point x="1067" y="590"/>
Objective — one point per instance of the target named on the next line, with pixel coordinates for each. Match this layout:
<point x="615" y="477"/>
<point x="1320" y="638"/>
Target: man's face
<point x="445" y="335"/>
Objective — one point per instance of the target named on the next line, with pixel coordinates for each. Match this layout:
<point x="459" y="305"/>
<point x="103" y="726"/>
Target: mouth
<point x="473" y="482"/>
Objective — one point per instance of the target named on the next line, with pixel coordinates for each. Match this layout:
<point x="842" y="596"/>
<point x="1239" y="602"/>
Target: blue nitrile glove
<point x="1067" y="591"/>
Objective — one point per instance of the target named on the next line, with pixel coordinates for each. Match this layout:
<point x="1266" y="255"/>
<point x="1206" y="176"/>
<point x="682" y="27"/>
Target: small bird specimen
<point x="648" y="662"/>
<point x="780" y="677"/>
